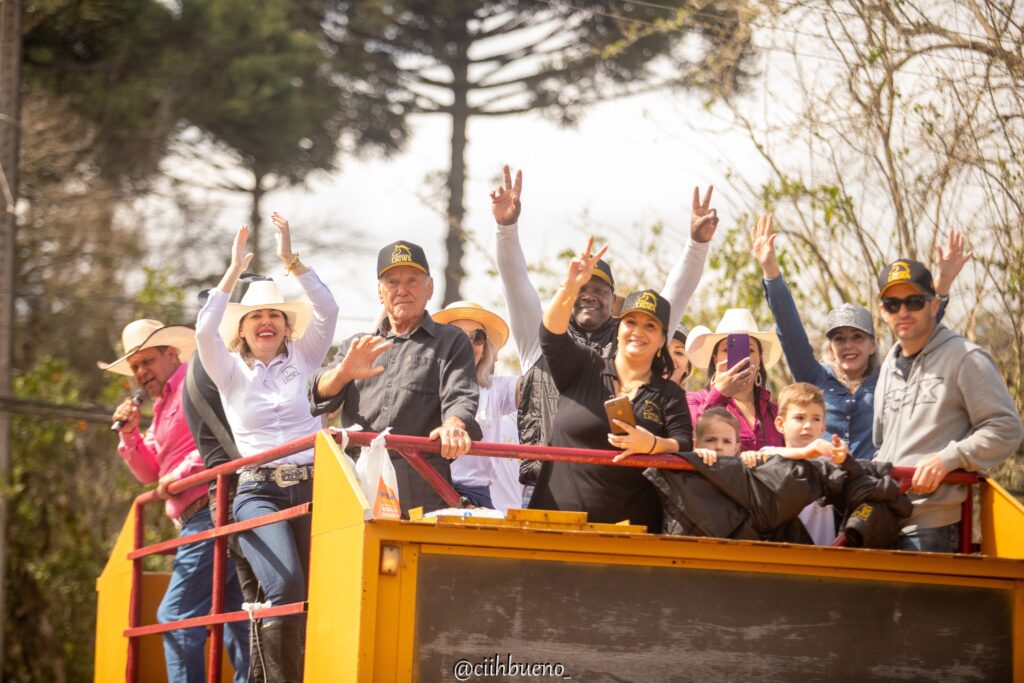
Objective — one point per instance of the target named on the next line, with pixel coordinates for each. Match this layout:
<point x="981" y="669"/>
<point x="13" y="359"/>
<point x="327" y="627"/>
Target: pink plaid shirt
<point x="167" y="446"/>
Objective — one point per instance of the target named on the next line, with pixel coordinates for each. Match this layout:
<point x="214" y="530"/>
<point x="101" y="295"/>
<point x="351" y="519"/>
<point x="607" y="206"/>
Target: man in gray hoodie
<point x="940" y="405"/>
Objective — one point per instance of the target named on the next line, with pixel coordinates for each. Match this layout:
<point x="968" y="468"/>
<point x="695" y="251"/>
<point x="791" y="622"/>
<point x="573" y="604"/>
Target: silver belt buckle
<point x="280" y="472"/>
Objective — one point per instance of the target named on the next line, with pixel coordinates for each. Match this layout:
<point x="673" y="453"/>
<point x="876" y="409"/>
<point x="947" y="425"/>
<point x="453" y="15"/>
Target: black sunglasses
<point x="913" y="303"/>
<point x="478" y="337"/>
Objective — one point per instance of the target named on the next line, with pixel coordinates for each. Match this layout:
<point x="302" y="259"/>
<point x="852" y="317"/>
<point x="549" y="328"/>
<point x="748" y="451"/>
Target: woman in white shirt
<point x="486" y="481"/>
<point x="260" y="353"/>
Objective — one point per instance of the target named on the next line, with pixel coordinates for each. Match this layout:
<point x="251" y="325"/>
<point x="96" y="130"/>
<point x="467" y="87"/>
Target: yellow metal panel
<point x="339" y="636"/>
<point x="1002" y="522"/>
<point x="688" y="549"/>
<point x="114" y="588"/>
<point x="396" y="619"/>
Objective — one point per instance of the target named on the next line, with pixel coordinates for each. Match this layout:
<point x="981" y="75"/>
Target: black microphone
<point x="138" y="398"/>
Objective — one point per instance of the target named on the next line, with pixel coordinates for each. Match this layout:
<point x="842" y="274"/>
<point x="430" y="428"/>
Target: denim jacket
<point x="847" y="414"/>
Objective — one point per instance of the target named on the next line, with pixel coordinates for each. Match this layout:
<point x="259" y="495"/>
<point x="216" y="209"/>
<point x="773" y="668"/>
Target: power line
<point x="39" y="408"/>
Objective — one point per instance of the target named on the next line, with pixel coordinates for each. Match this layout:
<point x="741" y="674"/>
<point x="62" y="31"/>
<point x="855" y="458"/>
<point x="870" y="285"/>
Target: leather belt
<point x="190" y="510"/>
<point x="283" y="475"/>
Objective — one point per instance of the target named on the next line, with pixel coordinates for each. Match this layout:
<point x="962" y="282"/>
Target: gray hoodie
<point x="954" y="404"/>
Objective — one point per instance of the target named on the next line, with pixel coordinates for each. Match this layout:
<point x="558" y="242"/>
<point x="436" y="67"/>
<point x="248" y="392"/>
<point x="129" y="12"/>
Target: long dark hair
<point x="762" y="374"/>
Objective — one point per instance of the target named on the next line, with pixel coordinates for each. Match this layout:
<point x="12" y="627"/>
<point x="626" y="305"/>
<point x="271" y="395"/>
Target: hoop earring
<point x="758" y="380"/>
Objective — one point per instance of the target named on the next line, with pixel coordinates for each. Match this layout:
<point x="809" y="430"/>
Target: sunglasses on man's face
<point x="478" y="337"/>
<point x="913" y="303"/>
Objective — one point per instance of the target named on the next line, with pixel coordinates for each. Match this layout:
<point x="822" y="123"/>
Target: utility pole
<point x="10" y="70"/>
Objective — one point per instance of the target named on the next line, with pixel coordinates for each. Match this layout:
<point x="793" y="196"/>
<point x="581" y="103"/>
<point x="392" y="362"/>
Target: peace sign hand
<point x="581" y="268"/>
<point x="703" y="219"/>
<point x="505" y="204"/>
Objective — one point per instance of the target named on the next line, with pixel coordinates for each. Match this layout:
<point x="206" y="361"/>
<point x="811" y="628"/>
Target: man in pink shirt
<point x="156" y="355"/>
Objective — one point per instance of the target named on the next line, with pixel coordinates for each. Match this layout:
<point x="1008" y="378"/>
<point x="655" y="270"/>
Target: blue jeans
<point x="190" y="594"/>
<point x="943" y="539"/>
<point x="278" y="552"/>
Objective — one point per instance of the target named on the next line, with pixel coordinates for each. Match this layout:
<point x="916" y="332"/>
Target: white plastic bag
<point x="377" y="478"/>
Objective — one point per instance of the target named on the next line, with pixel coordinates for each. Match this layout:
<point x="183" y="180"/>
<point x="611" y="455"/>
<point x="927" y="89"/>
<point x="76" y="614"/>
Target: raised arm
<point x="685" y="275"/>
<point x="792" y="335"/>
<point x="314" y="345"/>
<point x="214" y="354"/>
<point x="949" y="261"/>
<point x="521" y="298"/>
<point x="557" y="314"/>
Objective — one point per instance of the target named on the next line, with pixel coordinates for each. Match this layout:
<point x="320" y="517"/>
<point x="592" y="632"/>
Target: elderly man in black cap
<point x="413" y="374"/>
<point x="941" y="405"/>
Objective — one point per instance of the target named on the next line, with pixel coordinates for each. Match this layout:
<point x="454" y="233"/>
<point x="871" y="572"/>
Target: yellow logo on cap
<point x="401" y="254"/>
<point x="899" y="271"/>
<point x="646" y="302"/>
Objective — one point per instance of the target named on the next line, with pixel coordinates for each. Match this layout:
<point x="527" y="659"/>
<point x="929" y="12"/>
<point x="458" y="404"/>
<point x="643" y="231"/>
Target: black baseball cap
<point x="650" y="302"/>
<point x="401" y="253"/>
<point x="909" y="272"/>
<point x="603" y="271"/>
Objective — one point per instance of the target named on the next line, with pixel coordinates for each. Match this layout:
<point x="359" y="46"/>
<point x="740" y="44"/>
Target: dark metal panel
<point x="634" y="623"/>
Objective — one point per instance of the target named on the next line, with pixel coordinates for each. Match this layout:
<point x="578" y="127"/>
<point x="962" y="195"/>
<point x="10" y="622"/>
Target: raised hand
<point x="950" y="260"/>
<point x="762" y="246"/>
<point x="736" y="380"/>
<point x="240" y="260"/>
<point x="505" y="204"/>
<point x="362" y="354"/>
<point x="581" y="268"/>
<point x="283" y="236"/>
<point x="703" y="219"/>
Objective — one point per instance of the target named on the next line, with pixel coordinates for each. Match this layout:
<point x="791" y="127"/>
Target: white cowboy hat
<point x="701" y="341"/>
<point x="496" y="328"/>
<point x="146" y="334"/>
<point x="263" y="294"/>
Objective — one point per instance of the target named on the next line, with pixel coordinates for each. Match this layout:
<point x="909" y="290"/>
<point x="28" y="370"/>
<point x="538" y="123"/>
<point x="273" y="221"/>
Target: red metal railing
<point x="411" y="448"/>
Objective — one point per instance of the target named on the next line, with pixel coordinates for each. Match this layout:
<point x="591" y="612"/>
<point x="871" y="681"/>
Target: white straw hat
<point x="701" y="342"/>
<point x="263" y="294"/>
<point x="146" y="334"/>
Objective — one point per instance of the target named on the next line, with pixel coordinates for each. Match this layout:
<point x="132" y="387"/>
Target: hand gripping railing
<point x="411" y="448"/>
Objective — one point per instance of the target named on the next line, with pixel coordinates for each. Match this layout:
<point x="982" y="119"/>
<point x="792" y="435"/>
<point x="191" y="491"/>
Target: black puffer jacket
<point x="728" y="500"/>
<point x="538" y="397"/>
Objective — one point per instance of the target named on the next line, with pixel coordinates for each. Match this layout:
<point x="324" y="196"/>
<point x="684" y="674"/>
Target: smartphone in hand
<point x="738" y="347"/>
<point x="619" y="408"/>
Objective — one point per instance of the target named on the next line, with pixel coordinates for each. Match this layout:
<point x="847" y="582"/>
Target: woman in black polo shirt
<point x="585" y="380"/>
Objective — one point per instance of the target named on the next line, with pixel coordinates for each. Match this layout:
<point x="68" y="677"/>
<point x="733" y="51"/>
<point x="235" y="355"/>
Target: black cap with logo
<point x="650" y="302"/>
<point x="603" y="271"/>
<point x="401" y="253"/>
<point x="906" y="271"/>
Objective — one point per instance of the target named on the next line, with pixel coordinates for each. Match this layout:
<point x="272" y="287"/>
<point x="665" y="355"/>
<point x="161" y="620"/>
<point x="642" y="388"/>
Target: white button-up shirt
<point x="267" y="405"/>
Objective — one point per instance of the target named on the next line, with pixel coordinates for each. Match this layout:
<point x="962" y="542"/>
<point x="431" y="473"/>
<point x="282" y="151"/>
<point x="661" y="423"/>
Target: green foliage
<point x="67" y="499"/>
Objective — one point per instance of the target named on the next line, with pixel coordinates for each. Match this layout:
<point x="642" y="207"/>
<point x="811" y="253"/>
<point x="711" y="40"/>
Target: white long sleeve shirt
<point x="267" y="405"/>
<point x="524" y="306"/>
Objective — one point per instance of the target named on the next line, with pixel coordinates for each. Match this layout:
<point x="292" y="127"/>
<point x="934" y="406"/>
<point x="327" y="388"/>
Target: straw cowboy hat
<point x="701" y="341"/>
<point x="496" y="329"/>
<point x="263" y="294"/>
<point x="146" y="334"/>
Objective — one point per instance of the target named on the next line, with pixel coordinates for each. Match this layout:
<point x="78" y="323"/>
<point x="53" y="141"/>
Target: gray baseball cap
<point x="849" y="315"/>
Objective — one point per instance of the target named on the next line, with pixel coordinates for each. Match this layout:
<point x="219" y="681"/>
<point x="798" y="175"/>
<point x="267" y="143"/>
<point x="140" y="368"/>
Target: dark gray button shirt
<point x="429" y="377"/>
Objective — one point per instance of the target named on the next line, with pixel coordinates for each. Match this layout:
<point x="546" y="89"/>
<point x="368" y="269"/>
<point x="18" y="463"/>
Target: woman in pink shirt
<point x="743" y="388"/>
